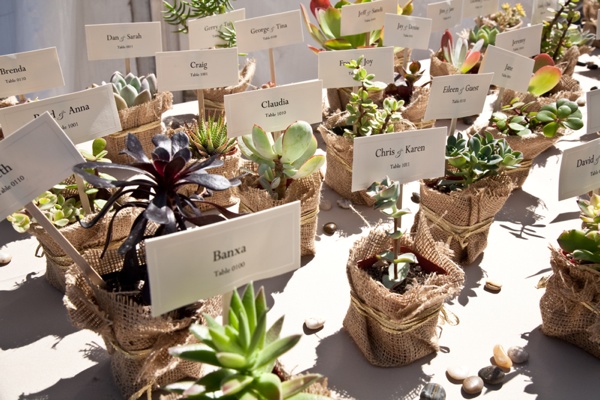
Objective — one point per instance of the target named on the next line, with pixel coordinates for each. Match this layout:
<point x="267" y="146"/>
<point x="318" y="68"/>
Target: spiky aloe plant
<point x="245" y="353"/>
<point x="209" y="138"/>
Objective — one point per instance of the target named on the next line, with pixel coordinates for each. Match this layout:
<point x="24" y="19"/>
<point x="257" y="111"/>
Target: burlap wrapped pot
<point x="570" y="306"/>
<point x="590" y="18"/>
<point x="214" y="103"/>
<point x="336" y="99"/>
<point x="254" y="198"/>
<point x="438" y="67"/>
<point x="462" y="218"/>
<point x="393" y="329"/>
<point x="568" y="89"/>
<point x="137" y="342"/>
<point x="415" y="110"/>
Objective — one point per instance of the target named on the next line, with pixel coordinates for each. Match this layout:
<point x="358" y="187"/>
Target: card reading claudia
<point x="511" y="70"/>
<point x="366" y="17"/>
<point x="30" y="71"/>
<point x="274" y="109"/>
<point x="457" y="96"/>
<point x="83" y="116"/>
<point x="334" y="74"/>
<point x="542" y="9"/>
<point x="197" y="69"/>
<point x="524" y="41"/>
<point x="445" y="14"/>
<point x="579" y="170"/>
<point x="270" y="31"/>
<point x="33" y="159"/>
<point x="476" y="8"/>
<point x="407" y="31"/>
<point x="402" y="156"/>
<point x="593" y="105"/>
<point x="204" y="32"/>
<point x="126" y="40"/>
<point x="234" y="252"/>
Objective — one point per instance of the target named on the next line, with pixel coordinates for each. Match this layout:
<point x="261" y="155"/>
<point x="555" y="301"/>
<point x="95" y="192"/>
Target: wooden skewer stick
<point x="452" y="126"/>
<point x="127" y="66"/>
<point x="498" y="102"/>
<point x="272" y="66"/>
<point x="85" y="201"/>
<point x="200" y="95"/>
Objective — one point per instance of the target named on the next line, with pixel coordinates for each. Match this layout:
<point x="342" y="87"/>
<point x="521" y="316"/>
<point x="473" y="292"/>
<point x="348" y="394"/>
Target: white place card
<point x="445" y="14"/>
<point x="274" y="109"/>
<point x="475" y="8"/>
<point x="523" y="41"/>
<point x="592" y="101"/>
<point x="30" y="71"/>
<point x="579" y="170"/>
<point x="511" y="70"/>
<point x="234" y="252"/>
<point x="196" y="69"/>
<point x="83" y="116"/>
<point x="403" y="156"/>
<point x="35" y="158"/>
<point x="457" y="96"/>
<point x="127" y="40"/>
<point x="378" y="61"/>
<point x="270" y="31"/>
<point x="204" y="32"/>
<point x="407" y="31"/>
<point x="540" y="10"/>
<point x="366" y="17"/>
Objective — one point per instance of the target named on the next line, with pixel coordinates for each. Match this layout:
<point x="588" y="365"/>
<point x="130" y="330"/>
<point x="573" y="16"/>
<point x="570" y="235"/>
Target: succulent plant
<point x="244" y="352"/>
<point x="508" y="17"/>
<point x="178" y="13"/>
<point x="404" y="83"/>
<point x="590" y="211"/>
<point x="386" y="194"/>
<point x="582" y="245"/>
<point x="561" y="114"/>
<point x="458" y="54"/>
<point x="131" y="90"/>
<point x="485" y="33"/>
<point x="546" y="75"/>
<point x="209" y="138"/>
<point x="290" y="156"/>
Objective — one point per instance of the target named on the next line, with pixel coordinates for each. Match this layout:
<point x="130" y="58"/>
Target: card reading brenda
<point x="234" y="252"/>
<point x="579" y="170"/>
<point x="29" y="72"/>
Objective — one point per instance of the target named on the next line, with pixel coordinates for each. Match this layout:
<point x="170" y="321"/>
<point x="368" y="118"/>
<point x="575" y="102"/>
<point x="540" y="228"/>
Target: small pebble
<point x="592" y="66"/>
<point x="314" y="323"/>
<point x="5" y="258"/>
<point x="473" y="385"/>
<point x="501" y="358"/>
<point x="433" y="391"/>
<point x="594" y="88"/>
<point x="470" y="120"/>
<point x="458" y="373"/>
<point x="325" y="205"/>
<point x="493" y="286"/>
<point x="518" y="355"/>
<point x="581" y="101"/>
<point x="329" y="228"/>
<point x="344" y="203"/>
<point x="415" y="198"/>
<point x="491" y="374"/>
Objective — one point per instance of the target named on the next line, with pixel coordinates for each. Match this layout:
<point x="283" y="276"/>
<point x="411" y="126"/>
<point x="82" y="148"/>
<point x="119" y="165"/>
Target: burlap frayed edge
<point x="441" y="68"/>
<point x="146" y="113"/>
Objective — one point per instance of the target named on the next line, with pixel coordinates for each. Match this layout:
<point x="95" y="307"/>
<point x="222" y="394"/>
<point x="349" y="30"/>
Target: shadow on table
<point x="521" y="209"/>
<point x="473" y="276"/>
<point x="350" y="374"/>
<point x="31" y="311"/>
<point x="9" y="235"/>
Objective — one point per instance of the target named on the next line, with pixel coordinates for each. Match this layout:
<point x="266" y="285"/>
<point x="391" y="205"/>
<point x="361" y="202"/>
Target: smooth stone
<point x="501" y="358"/>
<point x="581" y="101"/>
<point x="592" y="66"/>
<point x="415" y="198"/>
<point x="329" y="228"/>
<point x="5" y="258"/>
<point x="492" y="374"/>
<point x="344" y="203"/>
<point x="325" y="205"/>
<point x="518" y="355"/>
<point x="314" y="323"/>
<point x="472" y="385"/>
<point x="458" y="373"/>
<point x="433" y="391"/>
<point x="493" y="286"/>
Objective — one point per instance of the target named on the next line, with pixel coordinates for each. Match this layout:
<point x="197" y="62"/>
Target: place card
<point x="366" y="17"/>
<point x="475" y="8"/>
<point x="196" y="69"/>
<point x="511" y="70"/>
<point x="523" y="41"/>
<point x="30" y="71"/>
<point x="403" y="156"/>
<point x="378" y="61"/>
<point x="407" y="31"/>
<point x="445" y="14"/>
<point x="33" y="159"/>
<point x="540" y="10"/>
<point x="592" y="102"/>
<point x="204" y="32"/>
<point x="274" y="109"/>
<point x="579" y="170"/>
<point x="127" y="40"/>
<point x="456" y="96"/>
<point x="234" y="252"/>
<point x="83" y="116"/>
<point x="270" y="31"/>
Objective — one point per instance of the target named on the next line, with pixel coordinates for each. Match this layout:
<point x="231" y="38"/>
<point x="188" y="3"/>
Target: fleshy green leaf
<point x="544" y="80"/>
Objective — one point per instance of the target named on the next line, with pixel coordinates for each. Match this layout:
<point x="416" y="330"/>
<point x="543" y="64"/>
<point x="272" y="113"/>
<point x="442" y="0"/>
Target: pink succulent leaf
<point x="471" y="60"/>
<point x="447" y="46"/>
<point x="541" y="60"/>
<point x="319" y="4"/>
<point x="544" y="80"/>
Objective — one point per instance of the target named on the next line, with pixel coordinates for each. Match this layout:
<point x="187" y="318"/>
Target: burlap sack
<point x="441" y="68"/>
<point x="462" y="218"/>
<point x="151" y="111"/>
<point x="58" y="262"/>
<point x="254" y="198"/>
<point x="137" y="342"/>
<point x="399" y="59"/>
<point x="571" y="304"/>
<point x="214" y="104"/>
<point x="590" y="18"/>
<point x="392" y="329"/>
<point x="568" y="61"/>
<point x="538" y="102"/>
<point x="415" y="111"/>
<point x="115" y="143"/>
<point x="337" y="99"/>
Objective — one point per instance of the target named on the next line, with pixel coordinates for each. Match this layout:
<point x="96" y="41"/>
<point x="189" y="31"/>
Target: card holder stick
<point x="127" y="66"/>
<point x="405" y="56"/>
<point x="200" y="96"/>
<point x="452" y="126"/>
<point x="85" y="201"/>
<point x="272" y="67"/>
<point x="498" y="102"/>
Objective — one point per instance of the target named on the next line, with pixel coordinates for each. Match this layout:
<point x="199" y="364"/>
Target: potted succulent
<point x="459" y="208"/>
<point x="506" y="19"/>
<point x="571" y="301"/>
<point x="283" y="170"/>
<point x="244" y="353"/>
<point x="398" y="287"/>
<point x="455" y="56"/>
<point x="120" y="311"/>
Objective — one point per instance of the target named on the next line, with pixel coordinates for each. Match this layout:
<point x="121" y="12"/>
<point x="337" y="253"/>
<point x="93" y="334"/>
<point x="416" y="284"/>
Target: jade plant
<point x="209" y="138"/>
<point x="280" y="160"/>
<point x="470" y="159"/>
<point x="546" y="75"/>
<point x="244" y="353"/>
<point x="458" y="54"/>
<point x="131" y="90"/>
<point x="386" y="194"/>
